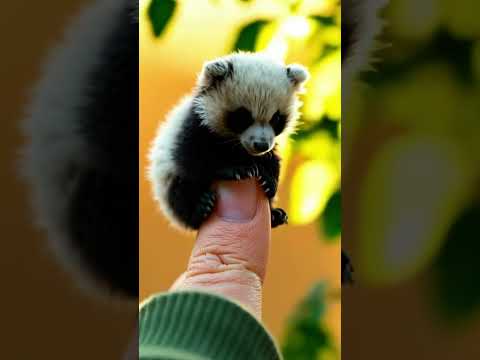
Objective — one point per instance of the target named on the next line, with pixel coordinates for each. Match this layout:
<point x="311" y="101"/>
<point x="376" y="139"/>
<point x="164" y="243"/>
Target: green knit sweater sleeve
<point x="191" y="325"/>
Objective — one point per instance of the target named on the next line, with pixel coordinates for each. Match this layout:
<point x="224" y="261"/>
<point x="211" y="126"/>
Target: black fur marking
<point x="206" y="205"/>
<point x="229" y="73"/>
<point x="269" y="185"/>
<point x="202" y="157"/>
<point x="191" y="201"/>
<point x="347" y="269"/>
<point x="278" y="122"/>
<point x="237" y="173"/>
<point x="239" y="120"/>
<point x="215" y="81"/>
<point x="279" y="217"/>
<point x="293" y="79"/>
<point x="290" y="77"/>
<point x="103" y="214"/>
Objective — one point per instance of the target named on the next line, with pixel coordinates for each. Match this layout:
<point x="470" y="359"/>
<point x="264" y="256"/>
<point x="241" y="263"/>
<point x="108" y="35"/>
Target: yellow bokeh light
<point x="322" y="147"/>
<point x="324" y="89"/>
<point x="296" y="27"/>
<point x="277" y="48"/>
<point x="312" y="186"/>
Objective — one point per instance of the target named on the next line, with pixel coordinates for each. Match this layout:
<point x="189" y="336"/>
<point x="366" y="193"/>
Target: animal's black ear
<point x="215" y="71"/>
<point x="297" y="74"/>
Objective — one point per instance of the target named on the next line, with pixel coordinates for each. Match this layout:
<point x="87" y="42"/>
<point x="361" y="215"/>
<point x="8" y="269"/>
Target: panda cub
<point x="225" y="130"/>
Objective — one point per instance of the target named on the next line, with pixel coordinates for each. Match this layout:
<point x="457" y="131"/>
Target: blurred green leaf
<point x="456" y="271"/>
<point x="327" y="50"/>
<point x="331" y="219"/>
<point x="324" y="124"/>
<point x="247" y="37"/>
<point x="306" y="335"/>
<point x="160" y="12"/>
<point x="324" y="20"/>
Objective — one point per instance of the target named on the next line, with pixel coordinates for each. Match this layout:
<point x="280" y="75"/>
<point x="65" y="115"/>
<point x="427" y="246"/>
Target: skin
<point x="230" y="255"/>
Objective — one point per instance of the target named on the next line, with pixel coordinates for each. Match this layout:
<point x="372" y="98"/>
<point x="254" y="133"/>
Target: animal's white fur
<point x="297" y="74"/>
<point x="257" y="132"/>
<point x="54" y="148"/>
<point x="259" y="83"/>
<point x="162" y="166"/>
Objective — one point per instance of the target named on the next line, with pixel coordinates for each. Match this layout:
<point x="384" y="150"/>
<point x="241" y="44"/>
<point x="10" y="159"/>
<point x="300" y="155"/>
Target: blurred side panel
<point x="410" y="176"/>
<point x="70" y="173"/>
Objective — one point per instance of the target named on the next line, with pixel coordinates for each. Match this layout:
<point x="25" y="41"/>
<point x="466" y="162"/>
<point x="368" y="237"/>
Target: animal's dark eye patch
<point x="239" y="120"/>
<point x="278" y="122"/>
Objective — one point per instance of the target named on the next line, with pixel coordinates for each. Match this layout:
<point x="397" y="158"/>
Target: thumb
<point x="231" y="251"/>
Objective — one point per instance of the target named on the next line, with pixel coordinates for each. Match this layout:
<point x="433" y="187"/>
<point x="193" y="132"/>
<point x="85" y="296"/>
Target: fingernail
<point x="237" y="200"/>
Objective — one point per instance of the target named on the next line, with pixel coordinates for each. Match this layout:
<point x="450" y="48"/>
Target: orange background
<point x="168" y="68"/>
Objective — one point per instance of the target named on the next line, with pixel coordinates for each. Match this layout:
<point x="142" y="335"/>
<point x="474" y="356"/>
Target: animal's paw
<point x="268" y="185"/>
<point x="347" y="269"/>
<point x="204" y="208"/>
<point x="238" y="173"/>
<point x="279" y="217"/>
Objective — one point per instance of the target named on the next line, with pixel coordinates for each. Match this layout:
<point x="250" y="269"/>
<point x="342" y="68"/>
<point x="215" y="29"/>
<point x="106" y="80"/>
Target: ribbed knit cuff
<point x="197" y="325"/>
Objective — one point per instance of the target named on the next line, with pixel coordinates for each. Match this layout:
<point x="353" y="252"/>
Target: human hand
<point x="230" y="255"/>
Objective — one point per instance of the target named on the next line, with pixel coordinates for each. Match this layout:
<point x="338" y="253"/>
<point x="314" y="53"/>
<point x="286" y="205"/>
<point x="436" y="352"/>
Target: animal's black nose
<point x="260" y="146"/>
